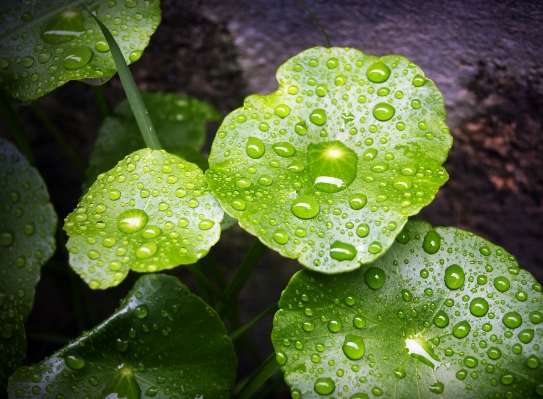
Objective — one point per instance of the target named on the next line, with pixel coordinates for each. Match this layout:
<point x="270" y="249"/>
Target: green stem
<point x="237" y="333"/>
<point x="317" y="21"/>
<point x="264" y="372"/>
<point x="55" y="132"/>
<point x="132" y="93"/>
<point x="101" y="100"/>
<point x="16" y="128"/>
<point x="240" y="278"/>
<point x="271" y="386"/>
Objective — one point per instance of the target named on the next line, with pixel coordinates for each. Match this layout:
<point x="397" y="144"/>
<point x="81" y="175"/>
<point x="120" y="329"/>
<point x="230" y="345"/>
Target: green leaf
<point x="180" y="123"/>
<point x="328" y="168"/>
<point x="163" y="341"/>
<point x="27" y="228"/>
<point x="442" y="312"/>
<point x="153" y="211"/>
<point x="46" y="44"/>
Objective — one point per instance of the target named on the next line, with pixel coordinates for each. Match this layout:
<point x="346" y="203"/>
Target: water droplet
<point x="280" y="237"/>
<point x="141" y="311"/>
<point x="512" y="319"/>
<point x="462" y="374"/>
<point x="383" y="111"/>
<point x="29" y="228"/>
<point x="370" y="154"/>
<point x="419" y="81"/>
<point x="296" y="167"/>
<point x="114" y="194"/>
<point x="74" y="361"/>
<point x="536" y="317"/>
<point x="507" y="378"/>
<point x="461" y="329"/>
<point x="77" y="57"/>
<point x="321" y="90"/>
<point x="502" y="283"/>
<point x="494" y="353"/>
<point x="332" y="166"/>
<point x="357" y="201"/>
<point x="151" y="232"/>
<point x="359" y="321"/>
<point x="341" y="251"/>
<point x="206" y="224"/>
<point x="301" y="129"/>
<point x="135" y="55"/>
<point x="374" y="277"/>
<point x="349" y="300"/>
<point x="6" y="238"/>
<point x="437" y="387"/>
<point x="4" y="63"/>
<point x="121" y="345"/>
<point x="146" y="250"/>
<point x="324" y="386"/>
<point x="305" y="207"/>
<point x="432" y="242"/>
<point x="284" y="149"/>
<point x="334" y="326"/>
<point x="332" y="63"/>
<point x="533" y="362"/>
<point x="478" y="307"/>
<point x="441" y="319"/>
<point x="282" y="110"/>
<point x="238" y="204"/>
<point x="132" y="220"/>
<point x="318" y="116"/>
<point x="281" y="358"/>
<point x="101" y="46"/>
<point x="379" y="72"/>
<point x="63" y="27"/>
<point x="27" y="61"/>
<point x="255" y="148"/>
<point x="362" y="230"/>
<point x="402" y="183"/>
<point x="526" y="336"/>
<point x="377" y="391"/>
<point x="353" y="347"/>
<point x="375" y="247"/>
<point x="407" y="295"/>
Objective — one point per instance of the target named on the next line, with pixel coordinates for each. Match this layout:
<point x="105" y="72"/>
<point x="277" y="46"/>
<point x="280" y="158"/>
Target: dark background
<point x="485" y="56"/>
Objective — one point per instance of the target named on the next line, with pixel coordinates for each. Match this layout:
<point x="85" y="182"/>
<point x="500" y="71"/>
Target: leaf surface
<point x="443" y="313"/>
<point x="328" y="168"/>
<point x="27" y="228"/>
<point x="163" y="341"/>
<point x="45" y="44"/>
<point x="153" y="211"/>
<point x="179" y="121"/>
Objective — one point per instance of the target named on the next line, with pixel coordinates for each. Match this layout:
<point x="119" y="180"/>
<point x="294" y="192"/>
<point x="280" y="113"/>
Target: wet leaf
<point x="162" y="341"/>
<point x="179" y="121"/>
<point x="458" y="318"/>
<point x="27" y="228"/>
<point x="45" y="44"/>
<point x="328" y="168"/>
<point x="151" y="212"/>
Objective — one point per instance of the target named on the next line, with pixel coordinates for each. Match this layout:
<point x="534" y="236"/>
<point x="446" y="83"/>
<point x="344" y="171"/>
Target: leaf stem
<point x="317" y="21"/>
<point x="264" y="372"/>
<point x="240" y="278"/>
<point x="132" y="93"/>
<point x="55" y="132"/>
<point x="238" y="332"/>
<point x="101" y="100"/>
<point x="16" y="128"/>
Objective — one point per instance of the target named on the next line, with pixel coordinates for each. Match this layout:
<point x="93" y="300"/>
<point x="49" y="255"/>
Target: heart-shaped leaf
<point x="27" y="229"/>
<point x="328" y="168"/>
<point x="163" y="342"/>
<point x="180" y="124"/>
<point x="443" y="312"/>
<point x="45" y="44"/>
<point x="153" y="211"/>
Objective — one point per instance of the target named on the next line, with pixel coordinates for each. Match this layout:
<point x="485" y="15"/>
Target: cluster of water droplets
<point x="40" y="55"/>
<point x="324" y="158"/>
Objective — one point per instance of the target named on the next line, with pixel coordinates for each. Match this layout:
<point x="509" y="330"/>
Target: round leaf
<point x="27" y="228"/>
<point x="442" y="312"/>
<point x="163" y="341"/>
<point x="180" y="124"/>
<point x="153" y="211"/>
<point x="328" y="168"/>
<point x="45" y="44"/>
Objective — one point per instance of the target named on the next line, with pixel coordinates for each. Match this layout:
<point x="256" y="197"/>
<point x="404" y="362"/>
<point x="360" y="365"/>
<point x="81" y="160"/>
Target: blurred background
<point x="485" y="56"/>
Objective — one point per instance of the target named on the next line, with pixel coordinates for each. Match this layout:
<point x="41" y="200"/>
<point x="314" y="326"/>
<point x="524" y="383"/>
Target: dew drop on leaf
<point x="74" y="361"/>
<point x="353" y="347"/>
<point x="318" y="116"/>
<point x="324" y="386"/>
<point x="141" y="311"/>
<point x="341" y="251"/>
<point x="441" y="319"/>
<point x="378" y="72"/>
<point x="374" y="277"/>
<point x="132" y="220"/>
<point x="357" y="201"/>
<point x="284" y="149"/>
<point x="454" y="277"/>
<point x="305" y="207"/>
<point x="502" y="283"/>
<point x="437" y="387"/>
<point x="512" y="320"/>
<point x="478" y="307"/>
<point x="281" y="358"/>
<point x="255" y="148"/>
<point x="432" y="242"/>
<point x="280" y="236"/>
<point x="461" y="329"/>
<point x="6" y="238"/>
<point x="151" y="232"/>
<point x="146" y="250"/>
<point x="383" y="111"/>
<point x="77" y="57"/>
<point x="63" y="27"/>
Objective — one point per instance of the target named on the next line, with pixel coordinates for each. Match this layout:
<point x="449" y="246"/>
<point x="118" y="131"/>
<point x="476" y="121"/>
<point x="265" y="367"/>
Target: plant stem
<point x="55" y="132"/>
<point x="15" y="126"/>
<point x="264" y="372"/>
<point x="238" y="332"/>
<point x="240" y="278"/>
<point x="132" y="93"/>
<point x="203" y="280"/>
<point x="317" y="21"/>
<point x="101" y="100"/>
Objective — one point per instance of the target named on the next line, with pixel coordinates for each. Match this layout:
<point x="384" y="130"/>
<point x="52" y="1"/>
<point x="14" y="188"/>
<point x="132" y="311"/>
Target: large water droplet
<point x="324" y="386"/>
<point x="374" y="277"/>
<point x="454" y="277"/>
<point x="478" y="307"/>
<point x="151" y="232"/>
<point x="353" y="347"/>
<point x="141" y="311"/>
<point x="334" y="326"/>
<point x="332" y="166"/>
<point x="74" y="361"/>
<point x="280" y="236"/>
<point x="63" y="27"/>
<point x="146" y="250"/>
<point x="132" y="220"/>
<point x="282" y="110"/>
<point x="318" y="116"/>
<point x="512" y="319"/>
<point x="461" y="329"/>
<point x="383" y="111"/>
<point x="6" y="238"/>
<point x="526" y="336"/>
<point x="305" y="207"/>
<point x="441" y="319"/>
<point x="284" y="149"/>
<point x="402" y="183"/>
<point x="437" y="387"/>
<point x="342" y="251"/>
<point x="432" y="242"/>
<point x="494" y="353"/>
<point x="502" y="283"/>
<point x="357" y="201"/>
<point x="379" y="72"/>
<point x="255" y="148"/>
<point x="77" y="57"/>
<point x="281" y="358"/>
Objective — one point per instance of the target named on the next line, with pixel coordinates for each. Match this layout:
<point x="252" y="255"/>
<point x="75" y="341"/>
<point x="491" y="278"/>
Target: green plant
<point x="326" y="170"/>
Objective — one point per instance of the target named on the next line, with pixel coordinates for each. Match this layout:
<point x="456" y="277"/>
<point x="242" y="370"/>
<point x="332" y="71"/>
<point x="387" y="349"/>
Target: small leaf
<point x="462" y="322"/>
<point x="180" y="123"/>
<point x="328" y="168"/>
<point x="46" y="44"/>
<point x="162" y="341"/>
<point x="27" y="229"/>
<point x="153" y="211"/>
